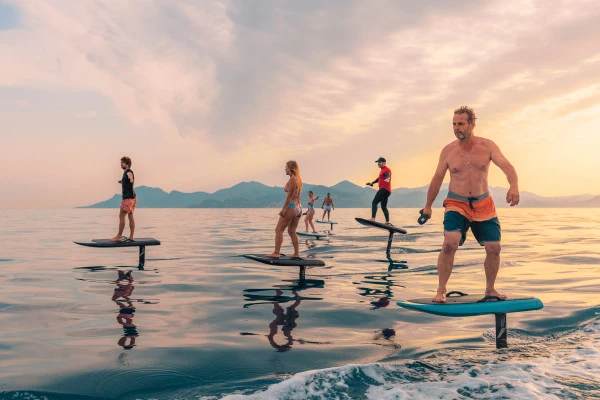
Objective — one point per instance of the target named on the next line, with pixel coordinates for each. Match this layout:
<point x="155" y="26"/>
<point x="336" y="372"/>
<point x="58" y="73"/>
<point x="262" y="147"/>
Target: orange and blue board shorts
<point x="477" y="213"/>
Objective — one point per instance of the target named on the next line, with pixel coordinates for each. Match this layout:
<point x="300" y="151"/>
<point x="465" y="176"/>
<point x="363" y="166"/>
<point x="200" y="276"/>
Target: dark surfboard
<point x="311" y="235"/>
<point x="140" y="243"/>
<point x="285" y="261"/>
<point x="320" y="221"/>
<point x="389" y="228"/>
<point x="107" y="243"/>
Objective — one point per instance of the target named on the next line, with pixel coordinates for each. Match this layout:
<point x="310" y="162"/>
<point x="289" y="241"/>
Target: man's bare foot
<point x="116" y="239"/>
<point x="273" y="255"/>
<point x="494" y="292"/>
<point x="372" y="219"/>
<point x="440" y="297"/>
<point x="296" y="256"/>
<point x="315" y="232"/>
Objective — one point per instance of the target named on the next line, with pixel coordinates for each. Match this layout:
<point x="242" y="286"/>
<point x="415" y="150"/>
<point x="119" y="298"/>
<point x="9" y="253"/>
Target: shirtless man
<point x="469" y="203"/>
<point x="327" y="206"/>
<point x="128" y="202"/>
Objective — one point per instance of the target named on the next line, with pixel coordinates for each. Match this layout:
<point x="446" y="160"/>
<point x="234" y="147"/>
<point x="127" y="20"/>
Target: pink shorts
<point x="128" y="205"/>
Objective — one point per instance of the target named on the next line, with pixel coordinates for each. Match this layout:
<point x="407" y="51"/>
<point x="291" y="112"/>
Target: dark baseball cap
<point x="380" y="159"/>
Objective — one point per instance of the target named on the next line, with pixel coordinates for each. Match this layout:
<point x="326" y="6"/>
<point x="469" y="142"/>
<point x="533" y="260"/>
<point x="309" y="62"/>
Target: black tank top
<point x="127" y="185"/>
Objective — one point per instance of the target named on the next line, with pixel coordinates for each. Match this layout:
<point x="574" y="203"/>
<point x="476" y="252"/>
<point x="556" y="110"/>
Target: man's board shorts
<point x="477" y="213"/>
<point x="128" y="205"/>
<point x="327" y="208"/>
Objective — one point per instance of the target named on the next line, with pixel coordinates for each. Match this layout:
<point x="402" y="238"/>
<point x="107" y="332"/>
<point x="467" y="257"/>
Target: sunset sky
<point x="205" y="94"/>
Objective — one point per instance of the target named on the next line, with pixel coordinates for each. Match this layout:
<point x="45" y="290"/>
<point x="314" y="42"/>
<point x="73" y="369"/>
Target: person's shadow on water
<point x="287" y="321"/>
<point x="121" y="297"/>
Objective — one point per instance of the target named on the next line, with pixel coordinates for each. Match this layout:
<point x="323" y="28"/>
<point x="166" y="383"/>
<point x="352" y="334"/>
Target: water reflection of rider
<point x="121" y="297"/>
<point x="287" y="320"/>
<point x="381" y="303"/>
<point x="379" y="287"/>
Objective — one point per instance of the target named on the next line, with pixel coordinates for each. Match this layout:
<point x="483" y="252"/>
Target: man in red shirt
<point x="385" y="189"/>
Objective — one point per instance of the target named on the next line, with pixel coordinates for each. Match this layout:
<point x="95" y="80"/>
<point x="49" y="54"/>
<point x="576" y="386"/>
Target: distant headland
<point x="345" y="195"/>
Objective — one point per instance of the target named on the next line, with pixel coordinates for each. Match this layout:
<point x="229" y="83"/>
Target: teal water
<point x="201" y="323"/>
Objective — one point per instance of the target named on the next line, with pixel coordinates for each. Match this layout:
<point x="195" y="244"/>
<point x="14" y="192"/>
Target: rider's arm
<point x="498" y="158"/>
<point x="437" y="180"/>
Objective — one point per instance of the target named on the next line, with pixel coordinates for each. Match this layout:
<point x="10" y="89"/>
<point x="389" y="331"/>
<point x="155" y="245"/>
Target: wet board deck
<point x="472" y="305"/>
<point x="326" y="222"/>
<point x="107" y="243"/>
<point x="286" y="261"/>
<point x="311" y="235"/>
<point x="389" y="228"/>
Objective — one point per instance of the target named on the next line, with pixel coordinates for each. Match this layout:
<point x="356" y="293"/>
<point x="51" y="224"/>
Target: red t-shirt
<point x="385" y="173"/>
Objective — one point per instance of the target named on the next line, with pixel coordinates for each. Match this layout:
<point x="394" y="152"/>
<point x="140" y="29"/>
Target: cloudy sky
<point x="205" y="94"/>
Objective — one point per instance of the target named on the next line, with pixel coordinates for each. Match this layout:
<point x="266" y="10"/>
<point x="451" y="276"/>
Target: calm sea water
<point x="201" y="323"/>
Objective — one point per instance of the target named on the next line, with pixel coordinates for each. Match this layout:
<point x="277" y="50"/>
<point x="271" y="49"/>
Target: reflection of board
<point x="466" y="306"/>
<point x="108" y="243"/>
<point x="311" y="235"/>
<point x="389" y="228"/>
<point x="286" y="261"/>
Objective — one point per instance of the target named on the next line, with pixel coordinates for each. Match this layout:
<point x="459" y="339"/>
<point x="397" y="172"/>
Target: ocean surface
<point x="200" y="322"/>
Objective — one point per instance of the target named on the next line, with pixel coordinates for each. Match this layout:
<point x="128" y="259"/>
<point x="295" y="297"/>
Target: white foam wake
<point x="553" y="368"/>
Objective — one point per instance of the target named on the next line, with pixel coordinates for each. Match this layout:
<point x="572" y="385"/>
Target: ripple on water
<point x="575" y="260"/>
<point x="564" y="369"/>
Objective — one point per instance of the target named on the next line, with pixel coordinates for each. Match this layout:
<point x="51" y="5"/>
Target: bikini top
<point x="295" y="195"/>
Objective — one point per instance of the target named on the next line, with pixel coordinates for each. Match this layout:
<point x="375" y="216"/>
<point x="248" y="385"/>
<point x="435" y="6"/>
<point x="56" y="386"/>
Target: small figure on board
<point x="384" y="180"/>
<point x="128" y="202"/>
<point x="327" y="206"/>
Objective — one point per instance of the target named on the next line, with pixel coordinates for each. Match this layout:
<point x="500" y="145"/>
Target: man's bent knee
<point x="449" y="248"/>
<point x="492" y="248"/>
<point x="451" y="242"/>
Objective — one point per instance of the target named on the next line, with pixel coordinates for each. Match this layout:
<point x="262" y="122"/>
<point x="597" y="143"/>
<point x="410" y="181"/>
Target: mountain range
<point x="345" y="195"/>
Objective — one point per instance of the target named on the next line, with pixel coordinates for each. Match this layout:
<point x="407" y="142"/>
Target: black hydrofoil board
<point x="389" y="228"/>
<point x="107" y="243"/>
<point x="285" y="260"/>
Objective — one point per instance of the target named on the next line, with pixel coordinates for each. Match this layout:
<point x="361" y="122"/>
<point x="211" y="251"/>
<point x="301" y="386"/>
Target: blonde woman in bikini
<point x="311" y="211"/>
<point x="290" y="213"/>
